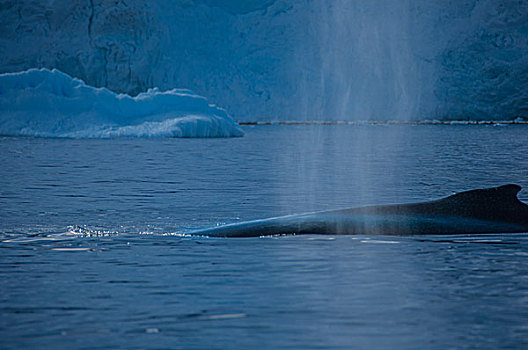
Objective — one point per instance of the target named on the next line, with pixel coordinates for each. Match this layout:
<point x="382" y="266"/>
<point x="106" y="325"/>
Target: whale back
<point x="492" y="210"/>
<point x="491" y="204"/>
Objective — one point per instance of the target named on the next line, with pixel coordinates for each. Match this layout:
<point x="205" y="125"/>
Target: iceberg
<point x="50" y="103"/>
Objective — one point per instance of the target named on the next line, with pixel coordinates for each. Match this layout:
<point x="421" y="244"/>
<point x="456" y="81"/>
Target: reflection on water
<point x="92" y="253"/>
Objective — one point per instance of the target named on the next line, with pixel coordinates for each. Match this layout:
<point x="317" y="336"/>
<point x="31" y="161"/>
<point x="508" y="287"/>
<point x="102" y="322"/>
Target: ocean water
<point x="93" y="251"/>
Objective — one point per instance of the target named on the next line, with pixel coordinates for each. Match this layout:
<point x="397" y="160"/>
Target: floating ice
<point x="49" y="103"/>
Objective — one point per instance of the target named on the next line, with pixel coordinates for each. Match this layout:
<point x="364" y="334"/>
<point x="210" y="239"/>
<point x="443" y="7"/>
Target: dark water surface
<point x="92" y="253"/>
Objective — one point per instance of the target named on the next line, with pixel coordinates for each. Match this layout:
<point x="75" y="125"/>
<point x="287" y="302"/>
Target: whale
<point x="479" y="211"/>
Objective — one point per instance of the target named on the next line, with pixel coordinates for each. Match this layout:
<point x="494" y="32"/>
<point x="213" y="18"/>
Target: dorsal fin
<point x="505" y="193"/>
<point x="489" y="204"/>
<point x="496" y="203"/>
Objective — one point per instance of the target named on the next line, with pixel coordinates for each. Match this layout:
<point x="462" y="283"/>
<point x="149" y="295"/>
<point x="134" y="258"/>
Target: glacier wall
<point x="286" y="59"/>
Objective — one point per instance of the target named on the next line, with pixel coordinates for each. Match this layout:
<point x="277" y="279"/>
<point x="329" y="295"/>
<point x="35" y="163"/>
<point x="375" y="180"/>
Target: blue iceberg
<point x="49" y="103"/>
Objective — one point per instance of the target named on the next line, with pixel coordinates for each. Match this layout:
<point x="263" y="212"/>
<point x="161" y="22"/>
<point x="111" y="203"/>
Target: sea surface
<point x="94" y="252"/>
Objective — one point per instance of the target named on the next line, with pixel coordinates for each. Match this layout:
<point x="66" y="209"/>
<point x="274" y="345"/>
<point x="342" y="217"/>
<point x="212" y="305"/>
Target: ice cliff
<point x="288" y="59"/>
<point x="52" y="104"/>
